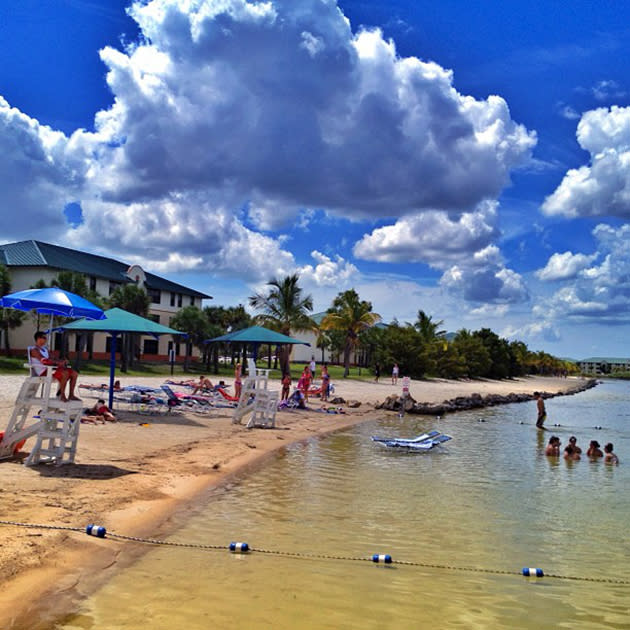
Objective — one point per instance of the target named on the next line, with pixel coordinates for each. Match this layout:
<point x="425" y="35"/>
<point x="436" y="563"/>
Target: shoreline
<point x="142" y="475"/>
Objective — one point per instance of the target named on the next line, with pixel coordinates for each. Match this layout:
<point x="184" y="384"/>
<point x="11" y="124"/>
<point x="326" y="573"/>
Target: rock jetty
<point x="474" y="401"/>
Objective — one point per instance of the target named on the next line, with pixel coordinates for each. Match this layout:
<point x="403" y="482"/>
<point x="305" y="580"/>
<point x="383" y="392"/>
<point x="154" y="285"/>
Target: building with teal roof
<point x="31" y="261"/>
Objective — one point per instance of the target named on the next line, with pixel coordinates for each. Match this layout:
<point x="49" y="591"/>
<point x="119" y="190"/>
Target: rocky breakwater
<point x="474" y="401"/>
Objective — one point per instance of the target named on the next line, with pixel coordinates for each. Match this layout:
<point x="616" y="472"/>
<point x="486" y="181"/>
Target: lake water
<point x="489" y="499"/>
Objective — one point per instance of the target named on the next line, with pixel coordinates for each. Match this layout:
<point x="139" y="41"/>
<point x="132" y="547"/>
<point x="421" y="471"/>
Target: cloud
<point x="328" y="272"/>
<point x="566" y="111"/>
<point x="600" y="292"/>
<point x="432" y="237"/>
<point x="347" y="125"/>
<point x="607" y="89"/>
<point x="537" y="331"/>
<point x="485" y="279"/>
<point x="42" y="171"/>
<point x="603" y="187"/>
<point x="275" y="107"/>
<point x="564" y="266"/>
<point x="187" y="232"/>
<point x="461" y="247"/>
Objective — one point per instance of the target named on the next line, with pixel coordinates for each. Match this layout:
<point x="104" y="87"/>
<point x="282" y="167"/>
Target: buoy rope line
<point x="245" y="548"/>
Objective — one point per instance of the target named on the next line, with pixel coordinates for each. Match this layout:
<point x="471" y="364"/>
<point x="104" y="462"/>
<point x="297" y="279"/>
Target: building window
<point x="154" y="317"/>
<point x="154" y="295"/>
<point x="173" y="346"/>
<point x="150" y="346"/>
<point x="192" y="300"/>
<point x="180" y="297"/>
<point x="172" y="299"/>
<point x="92" y="283"/>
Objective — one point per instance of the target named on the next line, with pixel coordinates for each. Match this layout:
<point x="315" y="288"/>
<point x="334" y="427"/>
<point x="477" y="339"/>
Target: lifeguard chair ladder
<point x="264" y="405"/>
<point x="56" y="423"/>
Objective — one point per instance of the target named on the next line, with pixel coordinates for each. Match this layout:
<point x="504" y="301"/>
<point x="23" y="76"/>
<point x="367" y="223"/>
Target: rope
<point x="312" y="556"/>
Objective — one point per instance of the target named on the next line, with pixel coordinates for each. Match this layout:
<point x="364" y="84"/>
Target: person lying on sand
<point x="101" y="409"/>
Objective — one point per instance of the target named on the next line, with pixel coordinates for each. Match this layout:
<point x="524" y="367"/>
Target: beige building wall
<point x="161" y="310"/>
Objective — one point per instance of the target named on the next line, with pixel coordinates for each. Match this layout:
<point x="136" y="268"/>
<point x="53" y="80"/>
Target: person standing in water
<point x="542" y="412"/>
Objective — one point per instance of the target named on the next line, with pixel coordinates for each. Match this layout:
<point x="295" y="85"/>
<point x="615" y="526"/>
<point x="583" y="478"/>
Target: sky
<point x="471" y="160"/>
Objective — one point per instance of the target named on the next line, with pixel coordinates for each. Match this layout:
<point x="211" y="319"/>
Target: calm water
<point x="490" y="499"/>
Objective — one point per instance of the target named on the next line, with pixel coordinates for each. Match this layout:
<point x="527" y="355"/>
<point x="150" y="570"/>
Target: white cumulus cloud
<point x="603" y="187"/>
<point x="564" y="266"/>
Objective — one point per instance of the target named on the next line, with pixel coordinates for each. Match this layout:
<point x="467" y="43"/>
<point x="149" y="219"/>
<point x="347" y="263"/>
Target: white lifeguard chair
<point x="55" y="423"/>
<point x="256" y="399"/>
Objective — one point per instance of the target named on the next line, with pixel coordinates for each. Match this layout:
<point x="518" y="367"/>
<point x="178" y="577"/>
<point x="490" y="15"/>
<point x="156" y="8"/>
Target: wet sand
<point x="132" y="476"/>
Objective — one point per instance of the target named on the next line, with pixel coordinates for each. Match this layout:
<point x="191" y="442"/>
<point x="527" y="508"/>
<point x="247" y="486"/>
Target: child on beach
<point x="325" y="383"/>
<point x="286" y="386"/>
<point x="610" y="457"/>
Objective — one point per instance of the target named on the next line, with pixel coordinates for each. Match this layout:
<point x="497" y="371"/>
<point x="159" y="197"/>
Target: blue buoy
<point x="239" y="547"/>
<point x="529" y="572"/>
<point x="385" y="558"/>
<point x="95" y="530"/>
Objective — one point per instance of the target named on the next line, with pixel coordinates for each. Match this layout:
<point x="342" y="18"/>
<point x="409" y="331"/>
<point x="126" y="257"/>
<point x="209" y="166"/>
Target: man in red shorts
<point x="40" y="360"/>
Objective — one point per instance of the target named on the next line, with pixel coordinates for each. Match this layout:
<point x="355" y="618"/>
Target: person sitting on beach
<point x="573" y="443"/>
<point x="204" y="385"/>
<point x="570" y="453"/>
<point x="553" y="447"/>
<point x="296" y="399"/>
<point x="594" y="450"/>
<point x="39" y="358"/>
<point x="102" y="410"/>
<point x="610" y="457"/>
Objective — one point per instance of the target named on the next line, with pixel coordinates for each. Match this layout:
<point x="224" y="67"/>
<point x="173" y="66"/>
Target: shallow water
<point x="488" y="501"/>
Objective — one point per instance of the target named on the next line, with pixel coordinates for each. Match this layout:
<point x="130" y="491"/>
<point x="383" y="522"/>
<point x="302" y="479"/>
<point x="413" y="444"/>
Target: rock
<point x="338" y="401"/>
<point x="353" y="404"/>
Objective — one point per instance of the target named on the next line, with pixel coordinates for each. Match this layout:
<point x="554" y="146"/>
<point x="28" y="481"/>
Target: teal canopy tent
<point x="256" y="335"/>
<point x="116" y="322"/>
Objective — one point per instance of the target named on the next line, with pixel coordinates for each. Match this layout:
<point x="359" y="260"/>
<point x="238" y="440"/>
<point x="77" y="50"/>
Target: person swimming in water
<point x="594" y="450"/>
<point x="553" y="447"/>
<point x="610" y="457"/>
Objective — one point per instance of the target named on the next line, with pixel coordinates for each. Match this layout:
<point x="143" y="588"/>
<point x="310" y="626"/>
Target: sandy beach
<point x="134" y="475"/>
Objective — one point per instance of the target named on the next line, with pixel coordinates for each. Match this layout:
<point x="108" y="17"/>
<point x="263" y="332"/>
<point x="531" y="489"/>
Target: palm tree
<point x="427" y="328"/>
<point x="284" y="309"/>
<point x="351" y="316"/>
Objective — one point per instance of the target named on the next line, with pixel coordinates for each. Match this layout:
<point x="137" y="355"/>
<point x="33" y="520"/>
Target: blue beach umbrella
<point x="52" y="301"/>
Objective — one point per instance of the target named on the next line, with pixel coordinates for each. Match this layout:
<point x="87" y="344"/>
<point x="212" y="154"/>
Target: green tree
<point x="350" y="315"/>
<point x="194" y="322"/>
<point x="428" y="329"/>
<point x="474" y="353"/>
<point x="133" y="299"/>
<point x="10" y="318"/>
<point x="284" y="309"/>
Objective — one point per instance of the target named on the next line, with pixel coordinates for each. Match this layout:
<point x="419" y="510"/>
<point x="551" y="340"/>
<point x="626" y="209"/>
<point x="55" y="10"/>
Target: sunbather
<point x="102" y="410"/>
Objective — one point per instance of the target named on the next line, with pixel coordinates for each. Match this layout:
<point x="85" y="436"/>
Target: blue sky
<point x="468" y="159"/>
